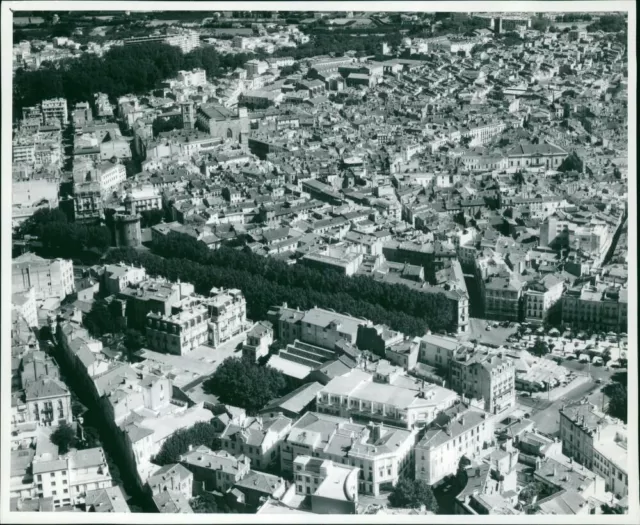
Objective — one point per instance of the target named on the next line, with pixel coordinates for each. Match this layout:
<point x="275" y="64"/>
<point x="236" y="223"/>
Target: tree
<point x="100" y="319"/>
<point x="134" y="340"/>
<point x="151" y="218"/>
<point x="540" y="348"/>
<point x="413" y="494"/>
<point x="572" y="163"/>
<point x="245" y="384"/>
<point x="202" y="433"/>
<point x="64" y="437"/>
<point x="205" y="503"/>
<point x="618" y="400"/>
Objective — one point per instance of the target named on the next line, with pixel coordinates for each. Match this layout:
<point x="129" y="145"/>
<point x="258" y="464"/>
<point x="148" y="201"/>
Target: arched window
<point x="229" y="133"/>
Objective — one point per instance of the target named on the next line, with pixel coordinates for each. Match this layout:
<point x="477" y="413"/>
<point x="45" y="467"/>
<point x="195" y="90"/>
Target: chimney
<point x="555" y="472"/>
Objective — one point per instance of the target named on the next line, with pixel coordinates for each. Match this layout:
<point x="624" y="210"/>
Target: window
<point x="66" y="491"/>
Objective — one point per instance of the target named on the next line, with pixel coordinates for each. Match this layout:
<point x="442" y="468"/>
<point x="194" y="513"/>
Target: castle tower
<point x="127" y="230"/>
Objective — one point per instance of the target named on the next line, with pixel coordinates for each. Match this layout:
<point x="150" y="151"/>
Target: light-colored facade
<point x="438" y="350"/>
<point x="117" y="277"/>
<point x="368" y="397"/>
<point x="381" y="453"/>
<point x="490" y="378"/>
<point x="143" y="199"/>
<point x="214" y="470"/>
<point x="68" y="479"/>
<point x="540" y="296"/>
<point x="599" y="307"/>
<point x="459" y="431"/>
<point x="610" y="459"/>
<point x="25" y="304"/>
<point x="55" y="108"/>
<point x="332" y="487"/>
<point x="49" y="278"/>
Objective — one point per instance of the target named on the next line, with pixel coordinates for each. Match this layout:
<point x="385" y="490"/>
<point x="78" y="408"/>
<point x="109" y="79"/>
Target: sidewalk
<point x="562" y="391"/>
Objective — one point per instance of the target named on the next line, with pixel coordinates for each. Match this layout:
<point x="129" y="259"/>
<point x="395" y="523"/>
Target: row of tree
<point x="266" y="281"/>
<point x="63" y="238"/>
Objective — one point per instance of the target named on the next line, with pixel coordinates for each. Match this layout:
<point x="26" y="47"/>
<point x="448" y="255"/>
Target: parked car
<point x="598" y="381"/>
<point x="488" y="328"/>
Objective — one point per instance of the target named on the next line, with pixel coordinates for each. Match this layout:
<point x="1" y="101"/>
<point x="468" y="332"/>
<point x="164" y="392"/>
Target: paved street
<point x="496" y="336"/>
<point x="545" y="414"/>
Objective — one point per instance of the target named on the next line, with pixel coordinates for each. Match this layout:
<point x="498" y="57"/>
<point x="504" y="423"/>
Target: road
<point x="546" y="415"/>
<point x="496" y="336"/>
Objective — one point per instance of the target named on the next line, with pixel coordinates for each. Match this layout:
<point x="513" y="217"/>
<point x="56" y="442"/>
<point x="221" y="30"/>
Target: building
<point x="47" y="402"/>
<point x="438" y="350"/>
<point x="110" y="175"/>
<point x="151" y="295"/>
<point x="228" y="314"/>
<point x="319" y="327"/>
<point x="343" y="261"/>
<point x="331" y="487"/>
<point x="536" y="155"/>
<point x="171" y="502"/>
<point x="143" y="199"/>
<point x="187" y="40"/>
<point x="220" y="122"/>
<point x="50" y="278"/>
<point x="259" y="338"/>
<point x="55" y="109"/>
<point x="381" y="453"/>
<point x="110" y="499"/>
<point x="610" y="459"/>
<point x="502" y="298"/>
<point x="25" y="304"/>
<point x="194" y="78"/>
<point x="540" y="296"/>
<point x="87" y="202"/>
<point x="579" y="428"/>
<point x="293" y="404"/>
<point x="67" y="479"/>
<point x="174" y="477"/>
<point x="117" y="277"/>
<point x="490" y="378"/>
<point x="196" y="321"/>
<point x="461" y="430"/>
<point x="218" y="471"/>
<point x="389" y="398"/>
<point x="257" y="438"/>
<point x="599" y="307"/>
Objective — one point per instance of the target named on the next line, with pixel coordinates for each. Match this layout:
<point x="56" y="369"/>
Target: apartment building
<point x="594" y="237"/>
<point x="194" y="78"/>
<point x="214" y="470"/>
<point x="599" y="307"/>
<point x="259" y="338"/>
<point x="67" y="479"/>
<point x="47" y="402"/>
<point x="539" y="296"/>
<point x="610" y="458"/>
<point x="178" y="333"/>
<point x="186" y="40"/>
<point x="218" y="121"/>
<point x="227" y="314"/>
<point x="257" y="438"/>
<point x="55" y="109"/>
<point x="143" y="199"/>
<point x="110" y="499"/>
<point x="459" y="431"/>
<point x="87" y="202"/>
<point x="174" y="477"/>
<point x="490" y="378"/>
<point x="381" y="453"/>
<point x="50" y="278"/>
<point x="502" y="298"/>
<point x="151" y="295"/>
<point x="25" y="304"/>
<point x="393" y="399"/>
<point x="331" y="487"/>
<point x="579" y="426"/>
<point x="110" y="176"/>
<point x="116" y="277"/>
<point x="438" y="350"/>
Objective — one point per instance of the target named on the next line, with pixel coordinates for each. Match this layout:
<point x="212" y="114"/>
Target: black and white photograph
<point x="306" y="261"/>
